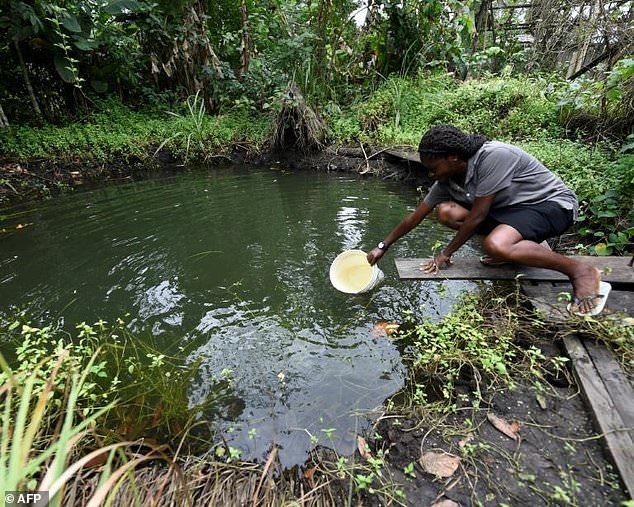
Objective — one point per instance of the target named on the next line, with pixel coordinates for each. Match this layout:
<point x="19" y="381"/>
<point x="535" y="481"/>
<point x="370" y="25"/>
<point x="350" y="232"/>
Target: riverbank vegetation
<point x="88" y="83"/>
<point x="98" y="82"/>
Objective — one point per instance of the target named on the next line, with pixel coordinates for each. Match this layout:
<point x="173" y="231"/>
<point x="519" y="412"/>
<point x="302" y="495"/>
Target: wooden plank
<point x="544" y="296"/>
<point x="615" y="269"/>
<point x="606" y="390"/>
<point x="408" y="156"/>
<point x="614" y="380"/>
<point x="619" y="441"/>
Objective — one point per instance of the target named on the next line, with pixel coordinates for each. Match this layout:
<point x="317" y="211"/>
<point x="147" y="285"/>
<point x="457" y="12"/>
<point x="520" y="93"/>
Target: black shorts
<point x="535" y="222"/>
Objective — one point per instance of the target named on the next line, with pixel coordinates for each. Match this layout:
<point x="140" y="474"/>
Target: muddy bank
<point x="36" y="179"/>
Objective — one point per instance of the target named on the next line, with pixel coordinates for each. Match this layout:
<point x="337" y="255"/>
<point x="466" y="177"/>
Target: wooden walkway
<point x="606" y="389"/>
<point x="615" y="269"/>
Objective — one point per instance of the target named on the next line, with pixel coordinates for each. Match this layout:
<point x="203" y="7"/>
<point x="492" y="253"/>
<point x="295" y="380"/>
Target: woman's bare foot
<point x="586" y="282"/>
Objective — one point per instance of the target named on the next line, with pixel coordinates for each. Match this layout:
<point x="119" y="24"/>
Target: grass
<point x="118" y="133"/>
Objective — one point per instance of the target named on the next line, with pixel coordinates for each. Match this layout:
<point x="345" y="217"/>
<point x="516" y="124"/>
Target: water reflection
<point x="352" y="225"/>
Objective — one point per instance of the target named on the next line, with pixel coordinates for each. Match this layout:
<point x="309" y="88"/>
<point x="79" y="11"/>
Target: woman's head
<point x="444" y="140"/>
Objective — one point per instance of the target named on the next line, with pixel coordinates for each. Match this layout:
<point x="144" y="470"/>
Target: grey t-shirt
<point x="509" y="173"/>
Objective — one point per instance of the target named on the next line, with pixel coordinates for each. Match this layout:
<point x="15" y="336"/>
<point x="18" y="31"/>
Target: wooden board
<point x="615" y="269"/>
<point x="618" y="436"/>
<point x="614" y="380"/>
<point x="408" y="156"/>
<point x="546" y="297"/>
<point x="607" y="391"/>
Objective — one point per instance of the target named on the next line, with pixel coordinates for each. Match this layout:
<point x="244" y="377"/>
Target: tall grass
<point x="31" y="456"/>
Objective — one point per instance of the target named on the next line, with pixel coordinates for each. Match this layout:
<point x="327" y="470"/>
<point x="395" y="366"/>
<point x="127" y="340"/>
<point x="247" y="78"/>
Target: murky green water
<point x="231" y="265"/>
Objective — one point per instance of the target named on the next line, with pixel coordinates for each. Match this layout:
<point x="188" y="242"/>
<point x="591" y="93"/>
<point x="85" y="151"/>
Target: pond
<point x="227" y="268"/>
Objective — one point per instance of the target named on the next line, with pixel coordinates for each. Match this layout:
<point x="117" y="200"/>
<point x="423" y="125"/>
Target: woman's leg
<point x="451" y="214"/>
<point x="507" y="244"/>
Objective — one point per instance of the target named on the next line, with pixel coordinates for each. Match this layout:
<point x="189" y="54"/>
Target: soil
<point x="36" y="179"/>
<point x="557" y="457"/>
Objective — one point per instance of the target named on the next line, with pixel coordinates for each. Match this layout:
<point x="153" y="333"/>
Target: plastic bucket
<point x="351" y="273"/>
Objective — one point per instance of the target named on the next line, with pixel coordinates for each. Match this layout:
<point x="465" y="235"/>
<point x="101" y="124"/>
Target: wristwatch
<point x="382" y="246"/>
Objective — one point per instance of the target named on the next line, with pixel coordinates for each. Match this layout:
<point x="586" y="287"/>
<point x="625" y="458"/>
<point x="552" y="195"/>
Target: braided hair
<point x="445" y="140"/>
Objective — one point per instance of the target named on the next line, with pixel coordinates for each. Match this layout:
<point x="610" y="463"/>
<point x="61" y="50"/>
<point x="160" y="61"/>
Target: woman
<point x="499" y="190"/>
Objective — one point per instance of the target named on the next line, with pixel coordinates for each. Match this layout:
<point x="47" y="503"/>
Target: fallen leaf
<point x="465" y="440"/>
<point x="510" y="429"/>
<point x="541" y="400"/>
<point x="446" y="503"/>
<point x="440" y="464"/>
<point x="96" y="461"/>
<point x="309" y="472"/>
<point x="20" y="226"/>
<point x="362" y="445"/>
<point x="385" y="328"/>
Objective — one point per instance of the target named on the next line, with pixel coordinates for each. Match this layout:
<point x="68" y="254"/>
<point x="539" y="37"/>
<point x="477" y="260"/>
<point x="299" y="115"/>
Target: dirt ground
<point x="556" y="459"/>
<point x="515" y="447"/>
<point x="552" y="455"/>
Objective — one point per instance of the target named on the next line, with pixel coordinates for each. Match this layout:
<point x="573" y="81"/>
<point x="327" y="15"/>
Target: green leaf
<point x="602" y="249"/>
<point x="614" y="94"/>
<point x="84" y="44"/>
<point x="627" y="147"/>
<point x="120" y="6"/>
<point x="63" y="66"/>
<point x="70" y="22"/>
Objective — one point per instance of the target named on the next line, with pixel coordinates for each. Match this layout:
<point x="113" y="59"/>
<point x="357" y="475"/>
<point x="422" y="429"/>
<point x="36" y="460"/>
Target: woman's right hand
<point x="374" y="255"/>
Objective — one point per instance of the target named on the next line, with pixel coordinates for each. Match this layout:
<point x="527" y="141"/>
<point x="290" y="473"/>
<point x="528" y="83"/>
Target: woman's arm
<point x="406" y="225"/>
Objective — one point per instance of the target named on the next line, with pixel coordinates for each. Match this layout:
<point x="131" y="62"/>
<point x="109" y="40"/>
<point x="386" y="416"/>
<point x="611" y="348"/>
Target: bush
<point x="401" y="109"/>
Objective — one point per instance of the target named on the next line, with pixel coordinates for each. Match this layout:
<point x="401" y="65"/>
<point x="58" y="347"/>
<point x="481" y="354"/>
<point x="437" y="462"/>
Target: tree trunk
<point x="4" y="122"/>
<point x="481" y="23"/>
<point x="247" y="41"/>
<point x="27" y="80"/>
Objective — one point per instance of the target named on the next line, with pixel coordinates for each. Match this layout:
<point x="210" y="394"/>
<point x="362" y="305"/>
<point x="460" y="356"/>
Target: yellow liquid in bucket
<point x="356" y="277"/>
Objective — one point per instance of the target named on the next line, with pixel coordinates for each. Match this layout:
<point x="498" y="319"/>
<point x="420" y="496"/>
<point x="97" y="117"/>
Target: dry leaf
<point x="362" y="445"/>
<point x="465" y="440"/>
<point x="385" y="328"/>
<point x="541" y="400"/>
<point x="510" y="429"/>
<point x="442" y="465"/>
<point x="446" y="503"/>
<point x="309" y="472"/>
<point x="96" y="461"/>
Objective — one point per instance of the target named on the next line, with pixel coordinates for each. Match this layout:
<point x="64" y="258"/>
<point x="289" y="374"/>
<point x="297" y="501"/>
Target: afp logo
<point x="26" y="498"/>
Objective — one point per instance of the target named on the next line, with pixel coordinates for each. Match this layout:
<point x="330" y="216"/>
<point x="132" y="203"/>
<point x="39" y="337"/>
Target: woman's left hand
<point x="439" y="262"/>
